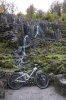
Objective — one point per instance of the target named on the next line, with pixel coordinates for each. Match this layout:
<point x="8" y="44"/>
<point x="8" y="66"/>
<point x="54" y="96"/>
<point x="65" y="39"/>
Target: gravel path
<point x="33" y="93"/>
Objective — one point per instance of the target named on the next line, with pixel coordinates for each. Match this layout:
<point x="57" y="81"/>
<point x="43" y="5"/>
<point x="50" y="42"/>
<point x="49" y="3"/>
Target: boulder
<point x="60" y="83"/>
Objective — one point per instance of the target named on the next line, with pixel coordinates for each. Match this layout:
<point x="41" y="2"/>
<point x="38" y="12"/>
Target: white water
<point x="25" y="44"/>
<point x="14" y="20"/>
<point x="37" y="33"/>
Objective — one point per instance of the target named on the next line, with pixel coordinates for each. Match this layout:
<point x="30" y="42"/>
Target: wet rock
<point x="19" y="50"/>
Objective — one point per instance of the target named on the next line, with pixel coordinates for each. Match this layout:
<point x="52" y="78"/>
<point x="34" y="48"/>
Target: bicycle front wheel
<point x="42" y="80"/>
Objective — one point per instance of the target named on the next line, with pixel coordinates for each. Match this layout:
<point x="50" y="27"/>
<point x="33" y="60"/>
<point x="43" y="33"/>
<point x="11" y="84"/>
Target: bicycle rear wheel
<point x="12" y="83"/>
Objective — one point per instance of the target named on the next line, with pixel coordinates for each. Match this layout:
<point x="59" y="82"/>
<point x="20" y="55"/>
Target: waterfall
<point x="14" y="20"/>
<point x="37" y="32"/>
<point x="25" y="45"/>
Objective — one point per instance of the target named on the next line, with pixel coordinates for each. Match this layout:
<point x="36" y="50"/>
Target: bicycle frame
<point x="26" y="75"/>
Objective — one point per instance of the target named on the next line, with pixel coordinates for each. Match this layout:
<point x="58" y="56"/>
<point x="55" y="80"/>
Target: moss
<point x="6" y="56"/>
<point x="7" y="61"/>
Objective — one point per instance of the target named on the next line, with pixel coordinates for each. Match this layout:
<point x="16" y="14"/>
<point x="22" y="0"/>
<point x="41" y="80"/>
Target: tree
<point x="7" y="7"/>
<point x="48" y="16"/>
<point x="56" y="8"/>
<point x="64" y="6"/>
<point x="11" y="8"/>
<point x="1" y="9"/>
<point x="3" y="5"/>
<point x="20" y="15"/>
<point x="30" y="11"/>
<point x="40" y="14"/>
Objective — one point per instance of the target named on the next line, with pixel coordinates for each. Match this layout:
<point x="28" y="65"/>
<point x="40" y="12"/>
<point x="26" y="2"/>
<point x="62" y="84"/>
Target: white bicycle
<point x="20" y="78"/>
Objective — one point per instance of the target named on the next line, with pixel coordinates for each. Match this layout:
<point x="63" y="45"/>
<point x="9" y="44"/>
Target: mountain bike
<point x="20" y="77"/>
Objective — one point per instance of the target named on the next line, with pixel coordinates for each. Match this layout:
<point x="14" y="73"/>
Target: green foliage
<point x="51" y="57"/>
<point x="51" y="16"/>
<point x="63" y="16"/>
<point x="7" y="60"/>
<point x="20" y="14"/>
<point x="40" y="15"/>
<point x="56" y="8"/>
<point x="30" y="11"/>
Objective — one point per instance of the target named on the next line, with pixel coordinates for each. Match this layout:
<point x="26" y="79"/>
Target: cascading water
<point x="25" y="44"/>
<point x="14" y="20"/>
<point x="36" y="30"/>
<point x="21" y="57"/>
<point x="37" y="33"/>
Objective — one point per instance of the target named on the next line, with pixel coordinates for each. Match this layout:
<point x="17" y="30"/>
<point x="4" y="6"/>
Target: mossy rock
<point x="60" y="83"/>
